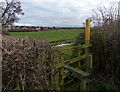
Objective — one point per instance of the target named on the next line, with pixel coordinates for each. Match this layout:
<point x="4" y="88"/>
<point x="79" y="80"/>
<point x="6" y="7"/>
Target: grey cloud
<point x="69" y="12"/>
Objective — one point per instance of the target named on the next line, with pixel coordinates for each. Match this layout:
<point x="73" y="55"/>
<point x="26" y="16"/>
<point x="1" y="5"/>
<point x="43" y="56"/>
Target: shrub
<point x="80" y="39"/>
<point x="105" y="48"/>
<point x="105" y="39"/>
<point x="26" y="63"/>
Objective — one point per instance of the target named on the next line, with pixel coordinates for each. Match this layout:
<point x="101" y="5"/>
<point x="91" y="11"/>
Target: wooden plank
<point x="57" y="80"/>
<point x="76" y="76"/>
<point x="78" y="71"/>
<point x="55" y="75"/>
<point x="61" y="41"/>
<point x="62" y="73"/>
<point x="71" y="61"/>
<point x="83" y="83"/>
<point x="76" y="47"/>
<point x="72" y="48"/>
<point x="69" y="81"/>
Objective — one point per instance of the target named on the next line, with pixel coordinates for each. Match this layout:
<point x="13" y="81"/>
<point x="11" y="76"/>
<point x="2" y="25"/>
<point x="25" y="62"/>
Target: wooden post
<point x="52" y="77"/>
<point x="91" y="62"/>
<point x="55" y="82"/>
<point x="62" y="73"/>
<point x="57" y="79"/>
<point x="79" y="63"/>
<point x="83" y="84"/>
<point x="87" y="41"/>
<point x="87" y="33"/>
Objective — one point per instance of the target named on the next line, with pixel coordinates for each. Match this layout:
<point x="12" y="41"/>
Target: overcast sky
<point x="59" y="12"/>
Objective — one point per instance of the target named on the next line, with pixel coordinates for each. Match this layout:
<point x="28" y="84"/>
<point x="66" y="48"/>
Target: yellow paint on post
<point x="87" y="34"/>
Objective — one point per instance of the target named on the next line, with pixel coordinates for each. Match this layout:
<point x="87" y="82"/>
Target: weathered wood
<point x="76" y="47"/>
<point x="88" y="58"/>
<point x="61" y="42"/>
<point x="57" y="74"/>
<point x="79" y="47"/>
<point x="62" y="73"/>
<point x="87" y="30"/>
<point x="69" y="81"/>
<point x="52" y="78"/>
<point x="91" y="62"/>
<point x="78" y="71"/>
<point x="88" y="64"/>
<point x="83" y="84"/>
<point x="57" y="78"/>
<point x="70" y="61"/>
<point x="79" y="63"/>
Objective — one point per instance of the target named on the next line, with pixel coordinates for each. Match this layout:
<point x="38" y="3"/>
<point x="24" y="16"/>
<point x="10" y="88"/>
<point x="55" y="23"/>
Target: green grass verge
<point x="67" y="55"/>
<point x="50" y="35"/>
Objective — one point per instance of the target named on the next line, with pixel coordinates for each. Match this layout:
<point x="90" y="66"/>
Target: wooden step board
<point x="78" y="71"/>
<point x="78" y="77"/>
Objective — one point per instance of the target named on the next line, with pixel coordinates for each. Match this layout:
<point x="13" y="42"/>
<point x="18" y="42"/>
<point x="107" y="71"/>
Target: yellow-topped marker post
<point x="87" y="34"/>
<point x="83" y="85"/>
<point x="87" y="41"/>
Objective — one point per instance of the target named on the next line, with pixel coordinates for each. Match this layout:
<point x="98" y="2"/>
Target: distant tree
<point x="9" y="11"/>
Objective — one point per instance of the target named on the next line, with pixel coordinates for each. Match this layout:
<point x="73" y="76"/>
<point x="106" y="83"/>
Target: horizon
<point x="64" y="13"/>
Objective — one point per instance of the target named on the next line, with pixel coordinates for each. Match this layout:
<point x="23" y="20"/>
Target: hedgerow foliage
<point x="106" y="42"/>
<point x="105" y="39"/>
<point x="26" y="63"/>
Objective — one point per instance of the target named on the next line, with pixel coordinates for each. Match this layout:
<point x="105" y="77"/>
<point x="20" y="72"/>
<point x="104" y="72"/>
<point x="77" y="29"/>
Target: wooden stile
<point x="65" y="69"/>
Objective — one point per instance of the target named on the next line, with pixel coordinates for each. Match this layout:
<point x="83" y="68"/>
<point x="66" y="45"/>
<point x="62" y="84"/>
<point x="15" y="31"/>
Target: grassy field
<point x="67" y="55"/>
<point x="51" y="35"/>
<point x="69" y="34"/>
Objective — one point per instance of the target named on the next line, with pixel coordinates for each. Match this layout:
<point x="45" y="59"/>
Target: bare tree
<point x="9" y="11"/>
<point x="105" y="16"/>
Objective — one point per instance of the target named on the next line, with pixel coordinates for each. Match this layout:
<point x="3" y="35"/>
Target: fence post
<point x="55" y="73"/>
<point x="79" y="63"/>
<point x="87" y="41"/>
<point x="83" y="83"/>
<point x="62" y="72"/>
<point x="87" y="33"/>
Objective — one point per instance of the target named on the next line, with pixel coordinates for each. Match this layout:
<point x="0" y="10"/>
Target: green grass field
<point x="68" y="34"/>
<point x="67" y="55"/>
<point x="51" y="35"/>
